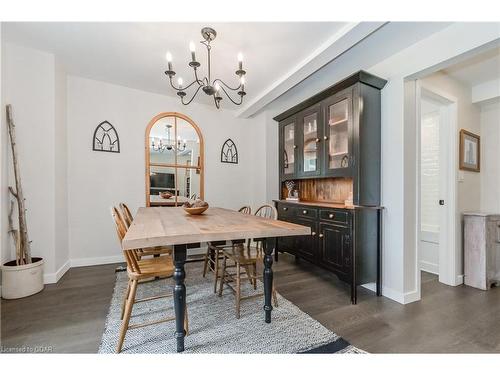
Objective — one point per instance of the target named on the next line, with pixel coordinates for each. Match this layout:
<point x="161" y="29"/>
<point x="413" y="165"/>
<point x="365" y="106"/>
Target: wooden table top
<point x="160" y="226"/>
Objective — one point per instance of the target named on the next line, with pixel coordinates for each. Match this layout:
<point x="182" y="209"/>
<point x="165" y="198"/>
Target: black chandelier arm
<point x="199" y="81"/>
<point x="190" y="100"/>
<point x="227" y="86"/>
<point x="231" y="99"/>
<point x="183" y="88"/>
<point x="217" y="105"/>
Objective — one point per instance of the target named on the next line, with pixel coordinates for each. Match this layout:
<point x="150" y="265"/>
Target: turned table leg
<point x="179" y="294"/>
<point x="268" y="247"/>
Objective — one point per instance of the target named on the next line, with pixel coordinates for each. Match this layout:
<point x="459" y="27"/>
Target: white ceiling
<point x="479" y="69"/>
<point x="133" y="54"/>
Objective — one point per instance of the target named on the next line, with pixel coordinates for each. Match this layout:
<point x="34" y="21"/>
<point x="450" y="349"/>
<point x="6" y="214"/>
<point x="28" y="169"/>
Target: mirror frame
<point x="201" y="165"/>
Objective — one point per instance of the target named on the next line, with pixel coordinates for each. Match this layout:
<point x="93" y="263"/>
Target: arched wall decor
<point x="229" y="152"/>
<point x="197" y="166"/>
<point x="106" y="138"/>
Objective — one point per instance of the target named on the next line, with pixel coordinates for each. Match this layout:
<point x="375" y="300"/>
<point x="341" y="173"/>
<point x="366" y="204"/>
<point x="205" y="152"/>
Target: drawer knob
<point x="331" y="216"/>
<point x="313" y="233"/>
<point x="294" y="146"/>
<point x="325" y="138"/>
<point x="317" y="140"/>
<point x="304" y="212"/>
<point x="285" y="208"/>
<point x="321" y="235"/>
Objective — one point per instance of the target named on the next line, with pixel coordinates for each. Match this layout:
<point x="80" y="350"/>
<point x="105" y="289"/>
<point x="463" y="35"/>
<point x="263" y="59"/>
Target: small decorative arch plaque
<point x="229" y="152"/>
<point x="106" y="138"/>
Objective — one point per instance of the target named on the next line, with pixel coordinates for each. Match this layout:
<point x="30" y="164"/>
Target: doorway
<point x="437" y="223"/>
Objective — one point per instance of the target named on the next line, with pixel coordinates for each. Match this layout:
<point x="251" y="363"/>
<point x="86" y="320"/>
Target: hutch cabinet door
<point x="338" y="135"/>
<point x="310" y="148"/>
<point x="307" y="246"/>
<point x="288" y="149"/>
<point x="335" y="247"/>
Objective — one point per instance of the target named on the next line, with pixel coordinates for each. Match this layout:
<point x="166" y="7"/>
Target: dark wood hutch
<point x="329" y="146"/>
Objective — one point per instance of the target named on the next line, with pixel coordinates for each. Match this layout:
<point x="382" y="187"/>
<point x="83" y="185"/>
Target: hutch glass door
<point x="338" y="127"/>
<point x="289" y="146"/>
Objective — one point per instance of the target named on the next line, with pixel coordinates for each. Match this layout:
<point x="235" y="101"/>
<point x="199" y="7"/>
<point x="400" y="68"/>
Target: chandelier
<point x="213" y="88"/>
<point x="168" y="144"/>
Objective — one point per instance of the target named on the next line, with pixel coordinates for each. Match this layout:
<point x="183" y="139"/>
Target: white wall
<point x="29" y="88"/>
<point x="4" y="240"/>
<point x="97" y="180"/>
<point x="60" y="170"/>
<point x="490" y="157"/>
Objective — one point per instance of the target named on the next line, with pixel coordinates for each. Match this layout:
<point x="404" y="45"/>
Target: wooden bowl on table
<point x="196" y="208"/>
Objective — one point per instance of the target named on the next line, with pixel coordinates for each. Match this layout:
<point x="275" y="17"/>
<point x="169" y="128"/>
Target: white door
<point x="438" y="158"/>
<point x="431" y="183"/>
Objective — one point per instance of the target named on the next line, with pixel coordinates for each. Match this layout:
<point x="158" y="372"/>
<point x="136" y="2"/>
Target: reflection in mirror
<point x="191" y="155"/>
<point x="174" y="161"/>
<point x="162" y="186"/>
<point x="188" y="183"/>
<point x="161" y="141"/>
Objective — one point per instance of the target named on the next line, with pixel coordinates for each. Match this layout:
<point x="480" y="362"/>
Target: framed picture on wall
<point x="470" y="153"/>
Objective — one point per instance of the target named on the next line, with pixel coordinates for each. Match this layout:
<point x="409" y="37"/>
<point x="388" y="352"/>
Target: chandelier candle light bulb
<point x="180" y="82"/>
<point x="192" y="48"/>
<point x="169" y="60"/>
<point x="240" y="61"/>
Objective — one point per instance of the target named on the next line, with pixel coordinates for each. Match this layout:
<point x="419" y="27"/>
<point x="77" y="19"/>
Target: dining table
<point x="172" y="226"/>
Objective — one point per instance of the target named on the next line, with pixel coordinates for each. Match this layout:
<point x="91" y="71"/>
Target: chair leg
<point x="275" y="297"/>
<point x="254" y="280"/>
<point x="238" y="290"/>
<point x="125" y="299"/>
<point x="222" y="277"/>
<point x="186" y="321"/>
<point x="216" y="269"/>
<point x="205" y="263"/>
<point x="247" y="270"/>
<point x="126" y="317"/>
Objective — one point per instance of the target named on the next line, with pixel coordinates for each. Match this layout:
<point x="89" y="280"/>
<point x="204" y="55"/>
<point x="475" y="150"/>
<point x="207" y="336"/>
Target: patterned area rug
<point x="213" y="327"/>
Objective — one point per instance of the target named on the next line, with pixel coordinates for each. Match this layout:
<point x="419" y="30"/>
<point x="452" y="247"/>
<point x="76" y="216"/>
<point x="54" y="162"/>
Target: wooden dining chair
<point x="139" y="270"/>
<point x="244" y="259"/>
<point x="127" y="218"/>
<point x="214" y="252"/>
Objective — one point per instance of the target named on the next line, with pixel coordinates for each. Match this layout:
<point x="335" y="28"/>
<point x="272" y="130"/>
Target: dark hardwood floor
<point x="69" y="316"/>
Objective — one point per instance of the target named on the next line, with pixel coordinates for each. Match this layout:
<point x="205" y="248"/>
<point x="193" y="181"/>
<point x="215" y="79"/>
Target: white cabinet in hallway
<point x="481" y="250"/>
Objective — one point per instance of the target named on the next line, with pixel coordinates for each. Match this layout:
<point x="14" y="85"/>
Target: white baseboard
<point x="83" y="262"/>
<point x="52" y="278"/>
<point x="370" y="286"/>
<point x="459" y="280"/>
<point x="429" y="267"/>
<point x="402" y="298"/>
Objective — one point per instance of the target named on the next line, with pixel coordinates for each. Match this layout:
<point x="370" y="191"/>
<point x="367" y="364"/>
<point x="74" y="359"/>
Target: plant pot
<point x="22" y="281"/>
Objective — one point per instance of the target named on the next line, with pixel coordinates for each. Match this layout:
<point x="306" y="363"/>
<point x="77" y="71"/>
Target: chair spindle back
<point x="267" y="211"/>
<point x="126" y="214"/>
<point x="246" y="210"/>
<point x="121" y="229"/>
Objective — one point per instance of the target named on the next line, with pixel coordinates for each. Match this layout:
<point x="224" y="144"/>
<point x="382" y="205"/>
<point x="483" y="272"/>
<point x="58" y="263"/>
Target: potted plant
<point x="23" y="276"/>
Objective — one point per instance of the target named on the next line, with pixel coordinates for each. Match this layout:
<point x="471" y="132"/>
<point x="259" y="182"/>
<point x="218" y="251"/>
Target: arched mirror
<point x="174" y="160"/>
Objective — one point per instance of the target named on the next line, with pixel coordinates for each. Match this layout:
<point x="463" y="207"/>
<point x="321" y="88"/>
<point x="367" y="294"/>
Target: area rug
<point x="213" y="327"/>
